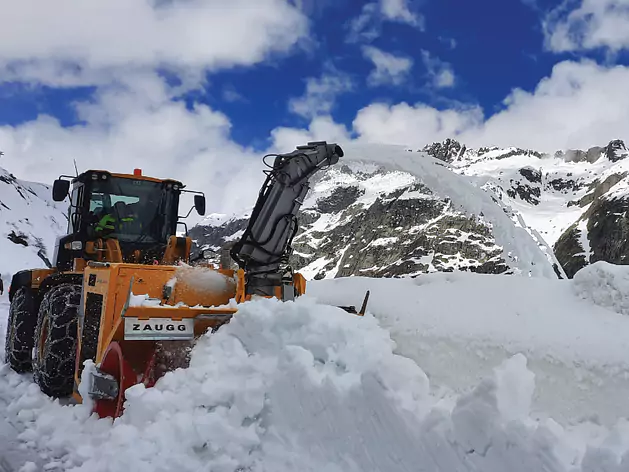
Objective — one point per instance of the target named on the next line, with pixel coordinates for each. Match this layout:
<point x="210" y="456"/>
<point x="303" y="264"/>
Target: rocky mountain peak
<point x="446" y="151"/>
<point x="616" y="150"/>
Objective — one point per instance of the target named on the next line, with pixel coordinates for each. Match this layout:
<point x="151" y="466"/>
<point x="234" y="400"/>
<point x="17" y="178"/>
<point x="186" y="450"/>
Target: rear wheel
<point x="56" y="334"/>
<point x="20" y="335"/>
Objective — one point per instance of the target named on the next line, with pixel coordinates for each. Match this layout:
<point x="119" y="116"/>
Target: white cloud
<point x="594" y="24"/>
<point x="440" y="72"/>
<point x="230" y="94"/>
<point x="321" y="93"/>
<point x="389" y="69"/>
<point x="137" y="124"/>
<point x="321" y="128"/>
<point x="409" y="125"/>
<point x="398" y="10"/>
<point x="366" y="26"/>
<point x="445" y="78"/>
<point x="64" y="42"/>
<point x="581" y="104"/>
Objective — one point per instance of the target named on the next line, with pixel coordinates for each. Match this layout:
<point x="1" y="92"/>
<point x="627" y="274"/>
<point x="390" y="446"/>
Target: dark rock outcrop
<point x="569" y="251"/>
<point x="607" y="226"/>
<point x="445" y="151"/>
<point x="616" y="150"/>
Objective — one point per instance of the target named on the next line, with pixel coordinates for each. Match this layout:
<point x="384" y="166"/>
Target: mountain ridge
<point x="570" y="203"/>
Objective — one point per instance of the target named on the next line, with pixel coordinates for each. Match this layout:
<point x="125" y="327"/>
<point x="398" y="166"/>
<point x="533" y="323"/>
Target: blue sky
<point x="492" y="46"/>
<point x="102" y="80"/>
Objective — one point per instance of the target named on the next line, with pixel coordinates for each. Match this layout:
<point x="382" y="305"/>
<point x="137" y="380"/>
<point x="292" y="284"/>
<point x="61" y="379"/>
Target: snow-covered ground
<point x="457" y="327"/>
<point x="446" y="372"/>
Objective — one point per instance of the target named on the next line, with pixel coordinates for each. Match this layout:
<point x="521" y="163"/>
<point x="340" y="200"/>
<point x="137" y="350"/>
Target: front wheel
<point x="55" y="348"/>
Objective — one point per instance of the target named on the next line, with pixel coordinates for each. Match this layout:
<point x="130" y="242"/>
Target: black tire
<point x="56" y="338"/>
<point x="20" y="335"/>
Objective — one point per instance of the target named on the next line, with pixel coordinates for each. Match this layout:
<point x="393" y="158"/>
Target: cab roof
<point x="86" y="175"/>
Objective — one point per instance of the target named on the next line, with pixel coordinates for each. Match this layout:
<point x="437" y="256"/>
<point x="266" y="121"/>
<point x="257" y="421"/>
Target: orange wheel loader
<point x="121" y="292"/>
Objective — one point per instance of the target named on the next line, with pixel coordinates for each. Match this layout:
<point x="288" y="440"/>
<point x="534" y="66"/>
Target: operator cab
<point x="140" y="212"/>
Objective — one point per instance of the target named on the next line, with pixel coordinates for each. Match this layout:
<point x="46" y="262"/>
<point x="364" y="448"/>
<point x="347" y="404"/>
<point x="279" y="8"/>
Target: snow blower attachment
<point x="121" y="293"/>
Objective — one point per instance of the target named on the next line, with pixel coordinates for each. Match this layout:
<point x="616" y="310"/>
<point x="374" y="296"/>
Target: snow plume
<point x="298" y="386"/>
<point x="520" y="250"/>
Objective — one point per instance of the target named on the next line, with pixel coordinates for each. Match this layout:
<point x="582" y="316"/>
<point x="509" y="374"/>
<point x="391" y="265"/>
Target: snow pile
<point x="303" y="386"/>
<point x="243" y="389"/>
<point x="457" y="326"/>
<point x="202" y="279"/>
<point x="605" y="285"/>
<point x="143" y="300"/>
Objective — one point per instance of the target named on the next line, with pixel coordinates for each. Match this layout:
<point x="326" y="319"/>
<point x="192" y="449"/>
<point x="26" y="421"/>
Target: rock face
<point x="527" y="189"/>
<point x="446" y="151"/>
<point x="569" y="250"/>
<point x="601" y="234"/>
<point x="396" y="235"/>
<point x="616" y="150"/>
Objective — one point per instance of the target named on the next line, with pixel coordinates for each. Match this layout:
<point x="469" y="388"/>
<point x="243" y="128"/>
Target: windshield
<point x="131" y="210"/>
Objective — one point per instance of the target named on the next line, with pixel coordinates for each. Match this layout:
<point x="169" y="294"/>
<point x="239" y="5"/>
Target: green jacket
<point x="107" y="222"/>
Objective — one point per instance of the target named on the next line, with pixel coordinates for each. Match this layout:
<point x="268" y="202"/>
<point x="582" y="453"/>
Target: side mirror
<point x="60" y="190"/>
<point x="199" y="204"/>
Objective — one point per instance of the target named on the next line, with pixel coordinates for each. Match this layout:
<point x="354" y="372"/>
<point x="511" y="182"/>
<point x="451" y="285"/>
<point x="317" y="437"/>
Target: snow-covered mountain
<point x="30" y="222"/>
<point x="577" y="200"/>
<point x="384" y="211"/>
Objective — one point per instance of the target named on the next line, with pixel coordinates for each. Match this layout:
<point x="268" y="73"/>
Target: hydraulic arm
<point x="264" y="247"/>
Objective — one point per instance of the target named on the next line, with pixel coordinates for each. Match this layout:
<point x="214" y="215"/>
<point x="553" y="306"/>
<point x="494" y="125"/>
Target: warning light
<point x="137" y="171"/>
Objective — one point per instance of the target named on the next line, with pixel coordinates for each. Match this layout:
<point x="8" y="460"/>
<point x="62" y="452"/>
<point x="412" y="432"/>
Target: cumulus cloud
<point x="388" y="68"/>
<point x="68" y="43"/>
<point x="581" y="104"/>
<point x="440" y="73"/>
<point x="593" y="24"/>
<point x="140" y="123"/>
<point x="398" y="10"/>
<point x="231" y="95"/>
<point x="367" y="26"/>
<point x="321" y="93"/>
<point x="412" y="125"/>
<point x="321" y="128"/>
